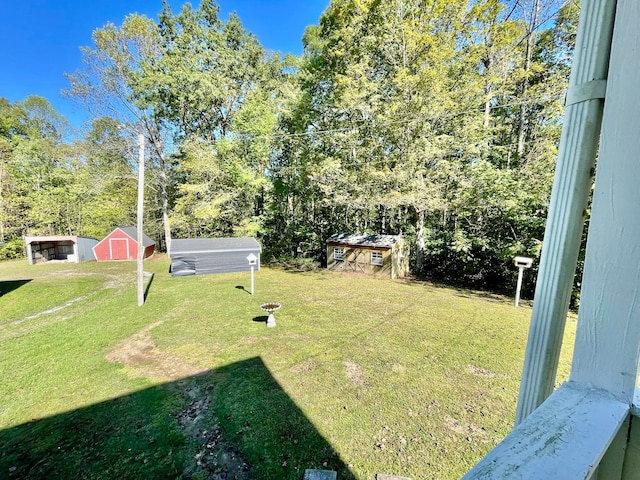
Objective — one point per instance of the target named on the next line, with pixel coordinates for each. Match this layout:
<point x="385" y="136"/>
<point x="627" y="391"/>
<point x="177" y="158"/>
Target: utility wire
<point x="354" y="126"/>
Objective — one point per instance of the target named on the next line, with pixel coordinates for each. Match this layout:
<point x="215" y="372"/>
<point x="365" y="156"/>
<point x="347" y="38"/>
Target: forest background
<point x="435" y="119"/>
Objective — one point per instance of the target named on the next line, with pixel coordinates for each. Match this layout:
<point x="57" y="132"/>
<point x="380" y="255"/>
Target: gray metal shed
<point x="201" y="256"/>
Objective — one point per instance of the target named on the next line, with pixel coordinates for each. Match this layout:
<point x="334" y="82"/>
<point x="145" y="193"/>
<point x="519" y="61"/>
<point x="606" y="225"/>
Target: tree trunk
<point x="164" y="201"/>
<point x="531" y="40"/>
<point x="164" y="196"/>
<point x="487" y="106"/>
<point x="488" y="93"/>
<point x="420" y="242"/>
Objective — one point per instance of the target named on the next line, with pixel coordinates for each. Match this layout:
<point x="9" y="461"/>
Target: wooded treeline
<point x="436" y="119"/>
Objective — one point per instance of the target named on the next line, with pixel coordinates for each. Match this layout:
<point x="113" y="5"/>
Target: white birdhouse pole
<point x="253" y="261"/>
<point x="521" y="263"/>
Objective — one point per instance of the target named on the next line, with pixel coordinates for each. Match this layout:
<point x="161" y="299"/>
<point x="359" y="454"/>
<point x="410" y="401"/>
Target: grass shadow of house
<point x="7" y="286"/>
<point x="234" y="422"/>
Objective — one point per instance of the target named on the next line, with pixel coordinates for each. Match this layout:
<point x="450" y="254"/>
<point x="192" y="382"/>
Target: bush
<point x="300" y="264"/>
<point x="12" y="249"/>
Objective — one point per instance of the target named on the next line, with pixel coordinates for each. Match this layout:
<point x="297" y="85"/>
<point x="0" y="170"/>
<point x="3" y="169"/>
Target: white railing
<point x="565" y="438"/>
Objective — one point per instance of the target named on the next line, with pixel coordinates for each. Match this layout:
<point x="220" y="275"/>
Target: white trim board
<point x="565" y="438"/>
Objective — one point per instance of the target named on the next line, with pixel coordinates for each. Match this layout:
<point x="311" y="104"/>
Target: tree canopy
<point x="435" y="119"/>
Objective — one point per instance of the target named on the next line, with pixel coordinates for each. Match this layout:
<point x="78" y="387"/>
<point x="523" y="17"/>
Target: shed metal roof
<point x="212" y="245"/>
<point x="56" y="238"/>
<point x="133" y="233"/>
<point x="365" y="240"/>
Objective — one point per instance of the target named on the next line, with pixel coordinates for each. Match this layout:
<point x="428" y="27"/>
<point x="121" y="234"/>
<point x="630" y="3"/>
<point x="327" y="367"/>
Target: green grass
<point x="360" y="375"/>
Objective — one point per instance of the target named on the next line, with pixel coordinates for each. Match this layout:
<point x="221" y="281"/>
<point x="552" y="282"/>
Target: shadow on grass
<point x="486" y="295"/>
<point x="261" y="319"/>
<point x="7" y="286"/>
<point x="465" y="292"/>
<point x="295" y="268"/>
<point x="146" y="290"/>
<point x="240" y="287"/>
<point x="235" y="422"/>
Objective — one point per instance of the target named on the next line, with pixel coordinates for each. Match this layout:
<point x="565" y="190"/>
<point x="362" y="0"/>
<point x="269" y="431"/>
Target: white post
<point x="608" y="335"/>
<point x="253" y="261"/>
<point x="29" y="254"/>
<point x="140" y="270"/>
<point x="571" y="188"/>
<point x="520" y="270"/>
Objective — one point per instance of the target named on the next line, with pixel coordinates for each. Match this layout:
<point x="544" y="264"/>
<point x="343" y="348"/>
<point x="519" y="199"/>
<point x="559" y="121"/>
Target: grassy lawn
<point x="360" y="375"/>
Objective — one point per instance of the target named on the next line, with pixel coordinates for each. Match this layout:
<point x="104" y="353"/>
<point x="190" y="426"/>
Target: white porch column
<point x="571" y="187"/>
<point x="608" y="336"/>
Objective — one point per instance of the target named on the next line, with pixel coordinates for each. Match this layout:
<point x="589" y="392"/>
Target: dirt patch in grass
<point x="252" y="340"/>
<point x="74" y="273"/>
<point x="354" y="372"/>
<point x="31" y="326"/>
<point x="45" y="312"/>
<point x="306" y="366"/>
<point x="398" y="368"/>
<point x="144" y="359"/>
<point x="468" y="430"/>
<point x="214" y="458"/>
<point x="54" y="309"/>
<point x="118" y="281"/>
<point x="481" y="372"/>
<point x="296" y="336"/>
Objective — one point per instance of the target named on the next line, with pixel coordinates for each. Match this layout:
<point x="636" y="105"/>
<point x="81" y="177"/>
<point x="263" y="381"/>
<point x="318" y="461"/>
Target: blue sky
<point x="40" y="40"/>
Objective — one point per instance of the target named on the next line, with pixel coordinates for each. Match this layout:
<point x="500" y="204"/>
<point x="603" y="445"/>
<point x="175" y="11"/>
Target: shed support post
<point x="29" y="254"/>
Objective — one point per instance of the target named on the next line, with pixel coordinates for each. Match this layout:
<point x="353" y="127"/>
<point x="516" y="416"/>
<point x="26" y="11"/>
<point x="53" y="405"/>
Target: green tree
<point x="217" y="91"/>
<point x="105" y="88"/>
<point x="109" y="179"/>
<point x="204" y="73"/>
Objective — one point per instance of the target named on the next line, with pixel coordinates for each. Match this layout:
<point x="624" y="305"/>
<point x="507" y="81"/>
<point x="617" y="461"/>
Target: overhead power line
<point x="407" y="120"/>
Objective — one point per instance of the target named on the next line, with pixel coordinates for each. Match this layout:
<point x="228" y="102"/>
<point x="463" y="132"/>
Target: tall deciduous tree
<point x="105" y="88"/>
<point x="110" y="179"/>
<point x="380" y="81"/>
<point x="217" y="90"/>
<point x="206" y="70"/>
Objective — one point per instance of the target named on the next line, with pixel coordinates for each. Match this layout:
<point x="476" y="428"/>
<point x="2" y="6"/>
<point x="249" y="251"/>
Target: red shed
<point x="122" y="244"/>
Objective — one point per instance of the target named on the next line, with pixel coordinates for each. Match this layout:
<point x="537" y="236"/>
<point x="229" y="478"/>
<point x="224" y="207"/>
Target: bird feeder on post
<point x="253" y="261"/>
<point x="521" y="263"/>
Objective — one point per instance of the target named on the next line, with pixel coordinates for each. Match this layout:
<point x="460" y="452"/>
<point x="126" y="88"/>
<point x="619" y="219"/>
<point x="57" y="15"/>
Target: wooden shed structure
<point x="122" y="244"/>
<point x="201" y="256"/>
<point x="380" y="255"/>
<point x="60" y="248"/>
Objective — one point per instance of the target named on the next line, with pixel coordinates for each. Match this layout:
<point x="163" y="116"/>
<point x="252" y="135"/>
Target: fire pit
<point x="270" y="307"/>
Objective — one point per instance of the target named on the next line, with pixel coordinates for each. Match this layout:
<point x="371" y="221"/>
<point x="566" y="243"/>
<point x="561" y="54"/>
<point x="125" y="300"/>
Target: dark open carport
<point x="68" y="248"/>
